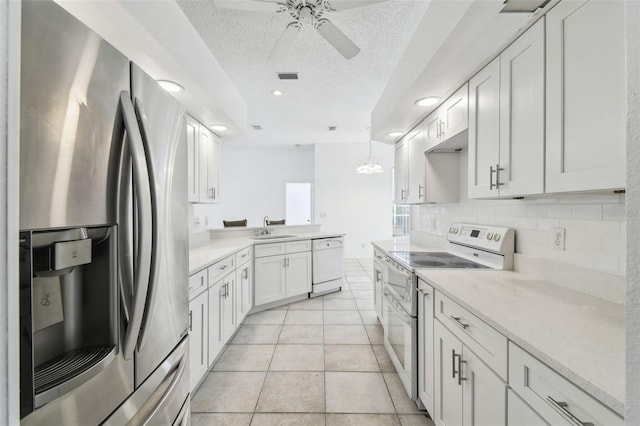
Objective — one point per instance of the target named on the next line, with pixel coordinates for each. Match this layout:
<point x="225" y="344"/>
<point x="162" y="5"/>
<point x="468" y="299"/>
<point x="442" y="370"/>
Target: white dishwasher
<point x="328" y="265"/>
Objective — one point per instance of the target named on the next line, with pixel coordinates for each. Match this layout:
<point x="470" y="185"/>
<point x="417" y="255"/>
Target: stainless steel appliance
<point x="468" y="246"/>
<point x="328" y="265"/>
<point x="104" y="240"/>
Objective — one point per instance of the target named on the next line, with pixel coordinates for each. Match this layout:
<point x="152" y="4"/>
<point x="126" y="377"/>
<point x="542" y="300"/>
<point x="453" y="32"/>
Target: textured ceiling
<point x="331" y="91"/>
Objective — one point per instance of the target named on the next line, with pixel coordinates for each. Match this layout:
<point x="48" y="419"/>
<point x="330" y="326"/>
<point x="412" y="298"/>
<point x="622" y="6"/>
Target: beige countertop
<point x="211" y="251"/>
<point x="580" y="336"/>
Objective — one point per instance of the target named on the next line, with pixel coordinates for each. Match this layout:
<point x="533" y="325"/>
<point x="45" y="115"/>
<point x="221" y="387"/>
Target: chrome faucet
<point x="265" y="226"/>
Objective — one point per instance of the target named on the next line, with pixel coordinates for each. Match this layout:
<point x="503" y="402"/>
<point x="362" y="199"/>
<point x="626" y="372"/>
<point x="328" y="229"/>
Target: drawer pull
<point x="459" y="322"/>
<point x="563" y="407"/>
<point x="223" y="267"/>
<point x="426" y="293"/>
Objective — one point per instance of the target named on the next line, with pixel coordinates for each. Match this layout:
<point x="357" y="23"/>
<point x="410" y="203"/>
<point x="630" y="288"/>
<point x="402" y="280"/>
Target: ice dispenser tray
<point x="63" y="255"/>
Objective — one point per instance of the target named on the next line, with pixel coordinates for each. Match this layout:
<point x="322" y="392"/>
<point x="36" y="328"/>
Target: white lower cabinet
<point x="425" y="345"/>
<point x="216" y="342"/>
<point x="228" y="306"/>
<point x="467" y="392"/>
<point x="521" y="414"/>
<point x="379" y="273"/>
<point x="284" y="275"/>
<point x="198" y="333"/>
<point x="244" y="291"/>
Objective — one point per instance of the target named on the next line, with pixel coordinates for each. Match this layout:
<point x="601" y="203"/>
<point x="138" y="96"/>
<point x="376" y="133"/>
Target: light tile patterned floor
<point x="317" y="362"/>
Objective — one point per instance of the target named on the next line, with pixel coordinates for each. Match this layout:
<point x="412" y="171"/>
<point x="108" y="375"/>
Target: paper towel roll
<point x="47" y="302"/>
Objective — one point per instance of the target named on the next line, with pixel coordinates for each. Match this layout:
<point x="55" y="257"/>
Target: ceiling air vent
<point x="256" y="127"/>
<point x="288" y="75"/>
<point x="332" y="128"/>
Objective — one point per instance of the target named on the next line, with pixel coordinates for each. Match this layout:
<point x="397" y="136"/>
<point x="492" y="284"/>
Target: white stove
<point x="478" y="247"/>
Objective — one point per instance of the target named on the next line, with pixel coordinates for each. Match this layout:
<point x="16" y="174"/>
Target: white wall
<point x="595" y="224"/>
<point x="358" y="205"/>
<point x="252" y="183"/>
<point x="633" y="212"/>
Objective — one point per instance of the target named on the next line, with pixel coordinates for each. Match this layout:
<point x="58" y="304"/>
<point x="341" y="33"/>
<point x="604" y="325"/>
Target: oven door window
<point x="398" y="332"/>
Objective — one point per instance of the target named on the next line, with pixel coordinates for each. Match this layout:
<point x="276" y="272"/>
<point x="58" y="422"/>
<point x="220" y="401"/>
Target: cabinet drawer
<point x="480" y="337"/>
<point x="555" y="398"/>
<point x="271" y="249"/>
<point x="378" y="255"/>
<point x="243" y="256"/>
<point x="218" y="269"/>
<point x="197" y="283"/>
<point x="298" y="246"/>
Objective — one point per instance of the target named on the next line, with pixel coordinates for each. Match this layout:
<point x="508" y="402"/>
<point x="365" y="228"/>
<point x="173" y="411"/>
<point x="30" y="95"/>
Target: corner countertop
<point x="580" y="336"/>
<point x="203" y="255"/>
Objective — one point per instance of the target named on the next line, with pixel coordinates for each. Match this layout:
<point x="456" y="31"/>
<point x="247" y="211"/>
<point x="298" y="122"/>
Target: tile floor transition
<point x="316" y="362"/>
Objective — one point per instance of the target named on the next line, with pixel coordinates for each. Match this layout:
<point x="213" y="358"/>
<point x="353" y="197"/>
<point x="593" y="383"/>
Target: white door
<point x="299" y="199"/>
<point x="484" y="130"/>
<point x="269" y="279"/>
<point x="586" y="100"/>
<point x="448" y="388"/>
<point x="416" y="162"/>
<point x="484" y="393"/>
<point x="426" y="349"/>
<point x="433" y="129"/>
<point x="298" y="273"/>
<point x="455" y="113"/>
<point x="520" y="414"/>
<point x="243" y="295"/>
<point x="400" y="172"/>
<point x="216" y="342"/>
<point x="193" y="160"/>
<point x="522" y="114"/>
<point x="228" y="307"/>
<point x="198" y="338"/>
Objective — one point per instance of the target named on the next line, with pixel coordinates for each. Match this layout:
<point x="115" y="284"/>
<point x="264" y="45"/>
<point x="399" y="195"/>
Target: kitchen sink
<point x="271" y="237"/>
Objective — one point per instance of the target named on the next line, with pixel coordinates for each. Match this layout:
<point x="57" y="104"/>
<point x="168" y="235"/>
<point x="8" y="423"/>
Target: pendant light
<point x="369" y="165"/>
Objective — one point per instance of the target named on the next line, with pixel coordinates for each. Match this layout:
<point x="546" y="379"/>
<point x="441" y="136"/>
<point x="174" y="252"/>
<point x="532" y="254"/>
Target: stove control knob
<point x="489" y="236"/>
<point x="496" y="237"/>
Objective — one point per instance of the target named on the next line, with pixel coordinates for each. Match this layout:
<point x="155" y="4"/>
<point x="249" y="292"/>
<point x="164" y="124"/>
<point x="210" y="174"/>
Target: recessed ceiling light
<point x="396" y="133"/>
<point x="428" y="101"/>
<point x="276" y="92"/>
<point x="218" y="128"/>
<point x="170" y="86"/>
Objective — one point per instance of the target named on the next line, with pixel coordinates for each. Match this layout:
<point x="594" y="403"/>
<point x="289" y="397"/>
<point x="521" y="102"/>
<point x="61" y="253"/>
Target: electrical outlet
<point x="557" y="235"/>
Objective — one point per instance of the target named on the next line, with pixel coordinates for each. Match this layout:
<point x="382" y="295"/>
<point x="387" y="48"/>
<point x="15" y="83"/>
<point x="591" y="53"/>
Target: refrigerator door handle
<point x="142" y="191"/>
<point x="180" y="368"/>
<point x="151" y="293"/>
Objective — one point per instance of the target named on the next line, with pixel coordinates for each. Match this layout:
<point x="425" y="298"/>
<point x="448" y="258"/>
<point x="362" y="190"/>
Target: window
<point x="401" y="220"/>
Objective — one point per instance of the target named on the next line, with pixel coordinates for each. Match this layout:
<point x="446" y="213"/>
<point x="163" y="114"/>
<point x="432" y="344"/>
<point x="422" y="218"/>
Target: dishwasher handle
<point x="327" y="244"/>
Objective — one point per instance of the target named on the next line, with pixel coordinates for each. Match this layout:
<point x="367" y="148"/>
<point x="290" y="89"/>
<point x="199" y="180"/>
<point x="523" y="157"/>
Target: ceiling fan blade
<point x="250" y="5"/>
<point x="337" y="39"/>
<point x="350" y="4"/>
<point x="286" y="41"/>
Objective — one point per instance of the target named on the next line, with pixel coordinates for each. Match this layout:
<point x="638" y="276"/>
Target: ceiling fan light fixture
<point x="428" y="101"/>
<point x="170" y="86"/>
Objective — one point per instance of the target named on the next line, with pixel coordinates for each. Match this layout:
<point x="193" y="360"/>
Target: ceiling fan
<point x="305" y="13"/>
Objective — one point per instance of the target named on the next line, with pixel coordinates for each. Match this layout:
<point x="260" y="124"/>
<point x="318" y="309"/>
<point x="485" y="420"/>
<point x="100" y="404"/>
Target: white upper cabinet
<point x="484" y="130"/>
<point x="400" y="172"/>
<point x="585" y="106"/>
<point x="506" y="121"/>
<point x="448" y="121"/>
<point x="209" y="165"/>
<point x="203" y="163"/>
<point x="415" y="173"/>
<point x="522" y="115"/>
<point x="193" y="163"/>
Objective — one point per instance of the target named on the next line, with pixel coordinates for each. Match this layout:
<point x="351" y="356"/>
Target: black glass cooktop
<point x="435" y="260"/>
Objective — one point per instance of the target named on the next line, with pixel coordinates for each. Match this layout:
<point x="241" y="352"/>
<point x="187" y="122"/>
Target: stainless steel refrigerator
<point x="104" y="234"/>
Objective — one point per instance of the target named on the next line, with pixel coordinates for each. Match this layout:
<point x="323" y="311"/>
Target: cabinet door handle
<point x="190" y="320"/>
<point x="402" y="194"/>
<point x="498" y="170"/>
<point x="491" y="185"/>
<point x="287" y="262"/>
<point x="457" y="321"/>
<point x="460" y="361"/>
<point x="563" y="407"/>
<point x="284" y="262"/>
<point x="420" y="188"/>
<point x="453" y="363"/>
<point x="214" y="192"/>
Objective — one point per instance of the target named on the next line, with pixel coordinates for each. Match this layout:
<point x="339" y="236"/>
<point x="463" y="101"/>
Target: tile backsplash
<point x="595" y="227"/>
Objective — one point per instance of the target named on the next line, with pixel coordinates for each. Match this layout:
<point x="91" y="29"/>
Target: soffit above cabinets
<point x="453" y="41"/>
